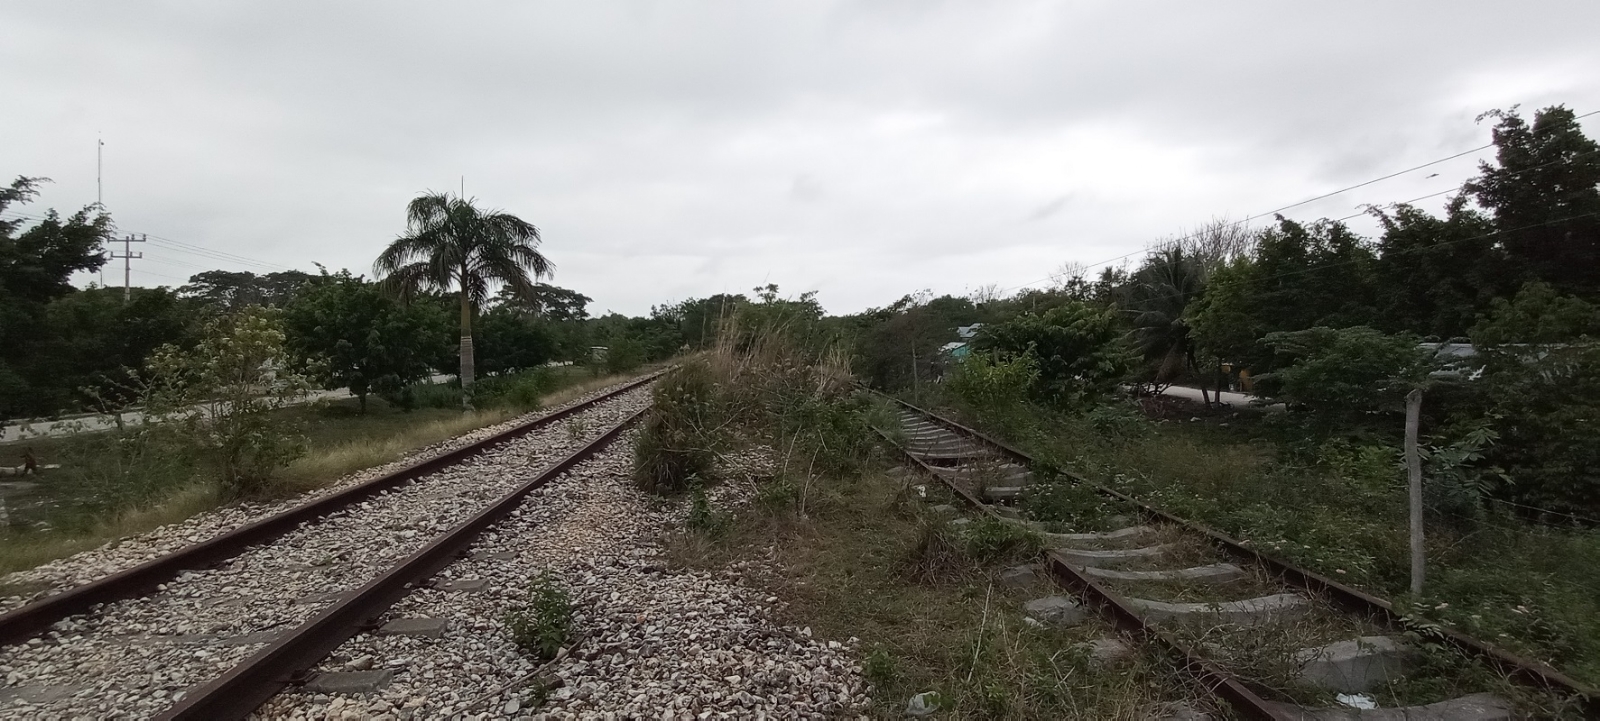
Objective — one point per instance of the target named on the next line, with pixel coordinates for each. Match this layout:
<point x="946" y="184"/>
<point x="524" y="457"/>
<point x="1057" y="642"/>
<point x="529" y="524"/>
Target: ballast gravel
<point x="124" y="553"/>
<point x="134" y="658"/>
<point x="653" y="643"/>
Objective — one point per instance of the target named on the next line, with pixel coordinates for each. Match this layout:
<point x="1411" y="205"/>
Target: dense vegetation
<point x="1337" y="325"/>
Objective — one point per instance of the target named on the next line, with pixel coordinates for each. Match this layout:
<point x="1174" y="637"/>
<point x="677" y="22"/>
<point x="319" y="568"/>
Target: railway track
<point x="1216" y="606"/>
<point x="216" y="628"/>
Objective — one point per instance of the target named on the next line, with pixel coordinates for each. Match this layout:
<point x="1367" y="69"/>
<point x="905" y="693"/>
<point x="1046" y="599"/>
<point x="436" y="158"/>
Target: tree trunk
<point x="466" y="348"/>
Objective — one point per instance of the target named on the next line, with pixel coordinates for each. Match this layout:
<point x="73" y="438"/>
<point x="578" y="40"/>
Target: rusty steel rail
<point x="237" y="693"/>
<point x="1525" y="671"/>
<point x="35" y="618"/>
<point x="1201" y="670"/>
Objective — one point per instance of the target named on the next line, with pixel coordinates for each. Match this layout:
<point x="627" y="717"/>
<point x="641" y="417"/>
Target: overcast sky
<point x="672" y="150"/>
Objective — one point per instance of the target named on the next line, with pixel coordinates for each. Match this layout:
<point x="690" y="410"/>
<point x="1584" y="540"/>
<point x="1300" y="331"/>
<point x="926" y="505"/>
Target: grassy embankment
<point x="868" y="559"/>
<point x="855" y="551"/>
<point x="1338" y="507"/>
<point x="101" y="494"/>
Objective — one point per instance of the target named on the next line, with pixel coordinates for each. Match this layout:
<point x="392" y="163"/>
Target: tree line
<point x="1338" y="325"/>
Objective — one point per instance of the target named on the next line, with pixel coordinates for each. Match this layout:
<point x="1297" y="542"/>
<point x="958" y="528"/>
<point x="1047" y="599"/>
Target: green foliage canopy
<point x="361" y="338"/>
<point x="1078" y="349"/>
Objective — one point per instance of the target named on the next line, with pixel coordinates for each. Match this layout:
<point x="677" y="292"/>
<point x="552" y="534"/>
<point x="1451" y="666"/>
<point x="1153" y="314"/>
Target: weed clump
<point x="990" y="540"/>
<point x="702" y="517"/>
<point x="680" y="434"/>
<point x="942" y="553"/>
<point x="539" y="626"/>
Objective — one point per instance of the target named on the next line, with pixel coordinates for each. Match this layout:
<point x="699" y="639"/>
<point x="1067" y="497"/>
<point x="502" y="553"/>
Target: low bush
<point x="702" y="517"/>
<point x="942" y="552"/>
<point x="541" y="624"/>
<point x="681" y="433"/>
<point x="991" y="540"/>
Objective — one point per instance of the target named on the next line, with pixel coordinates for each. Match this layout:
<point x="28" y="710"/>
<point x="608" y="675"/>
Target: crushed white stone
<point x="133" y="658"/>
<point x="124" y="553"/>
<point x="655" y="643"/>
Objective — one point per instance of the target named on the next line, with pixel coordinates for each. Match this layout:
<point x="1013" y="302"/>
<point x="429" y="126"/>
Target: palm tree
<point x="452" y="244"/>
<point x="1160" y="292"/>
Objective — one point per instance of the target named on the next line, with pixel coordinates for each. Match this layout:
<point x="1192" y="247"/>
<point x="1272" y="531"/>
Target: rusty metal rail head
<point x="1524" y="671"/>
<point x="258" y="678"/>
<point x="35" y="618"/>
<point x="1199" y="669"/>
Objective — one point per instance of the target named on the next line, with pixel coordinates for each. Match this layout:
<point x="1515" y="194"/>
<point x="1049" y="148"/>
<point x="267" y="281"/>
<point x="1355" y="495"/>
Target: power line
<point x="216" y="255"/>
<point x="179" y="246"/>
<point x="1314" y="199"/>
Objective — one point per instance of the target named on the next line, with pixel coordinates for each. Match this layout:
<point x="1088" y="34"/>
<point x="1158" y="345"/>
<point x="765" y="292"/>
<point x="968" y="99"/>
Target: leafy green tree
<point x="1437" y="274"/>
<point x="1223" y="322"/>
<point x="1078" y="349"/>
<point x="100" y="341"/>
<point x="1538" y="315"/>
<point x="1540" y="390"/>
<point x="546" y="302"/>
<point x="698" y="320"/>
<point x="1300" y="276"/>
<point x="1342" y="374"/>
<point x="895" y="344"/>
<point x="453" y="244"/>
<point x="36" y="266"/>
<point x="1319" y="274"/>
<point x="228" y="291"/>
<point x="1545" y="197"/>
<point x="513" y="340"/>
<point x="360" y="338"/>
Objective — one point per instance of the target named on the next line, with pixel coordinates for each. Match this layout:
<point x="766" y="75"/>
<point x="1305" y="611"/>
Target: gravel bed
<point x="78" y="569"/>
<point x="134" y="657"/>
<point x="654" y="643"/>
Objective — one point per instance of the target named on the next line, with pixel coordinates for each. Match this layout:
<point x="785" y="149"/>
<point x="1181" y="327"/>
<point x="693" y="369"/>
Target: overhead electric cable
<point x="1346" y="189"/>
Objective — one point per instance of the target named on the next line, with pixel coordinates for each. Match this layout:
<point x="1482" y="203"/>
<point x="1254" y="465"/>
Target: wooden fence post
<point x="1414" y="470"/>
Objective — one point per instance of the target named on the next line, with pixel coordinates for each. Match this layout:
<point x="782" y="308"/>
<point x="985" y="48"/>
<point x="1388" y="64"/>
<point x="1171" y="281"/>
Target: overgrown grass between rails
<point x="80" y="517"/>
<point x="1338" y="507"/>
<point x="850" y="567"/>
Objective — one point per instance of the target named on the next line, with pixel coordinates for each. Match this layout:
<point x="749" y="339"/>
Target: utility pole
<point x="127" y="264"/>
<point x="99" y="188"/>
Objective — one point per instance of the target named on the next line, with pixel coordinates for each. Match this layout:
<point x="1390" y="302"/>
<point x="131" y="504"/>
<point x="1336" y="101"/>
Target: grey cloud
<point x="663" y="148"/>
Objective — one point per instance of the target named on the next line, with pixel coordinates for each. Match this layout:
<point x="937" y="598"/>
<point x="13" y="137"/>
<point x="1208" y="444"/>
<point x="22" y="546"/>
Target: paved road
<point x="1237" y="400"/>
<point x="23" y="430"/>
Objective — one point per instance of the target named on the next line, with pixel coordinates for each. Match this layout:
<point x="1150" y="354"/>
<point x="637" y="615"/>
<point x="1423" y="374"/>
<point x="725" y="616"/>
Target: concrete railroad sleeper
<point x="35" y="618"/>
<point x="1224" y="685"/>
<point x="283" y="663"/>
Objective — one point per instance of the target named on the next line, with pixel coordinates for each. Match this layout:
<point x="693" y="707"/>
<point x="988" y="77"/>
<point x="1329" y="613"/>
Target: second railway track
<point x="167" y="636"/>
<point x="1215" y="607"/>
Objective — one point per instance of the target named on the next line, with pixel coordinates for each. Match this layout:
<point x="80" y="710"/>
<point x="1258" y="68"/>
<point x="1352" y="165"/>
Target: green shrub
<point x="879" y="667"/>
<point x="778" y="494"/>
<point x="990" y="540"/>
<point x="542" y="624"/>
<point x="1073" y="506"/>
<point x="522" y="390"/>
<point x="1079" y="349"/>
<point x="681" y="432"/>
<point x="425" y="395"/>
<point x="222" y="397"/>
<point x="702" y="517"/>
<point x="994" y="387"/>
<point x="1341" y="375"/>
